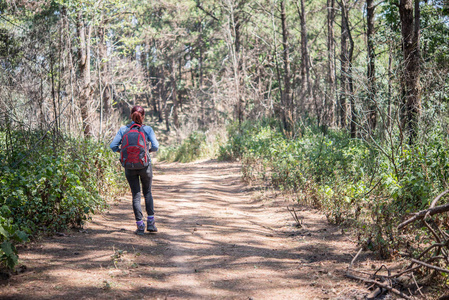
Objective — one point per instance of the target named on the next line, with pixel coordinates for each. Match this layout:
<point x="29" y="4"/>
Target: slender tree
<point x="84" y="33"/>
<point x="410" y="30"/>
<point x="371" y="67"/>
<point x="330" y="92"/>
<point x="305" y="60"/>
<point x="174" y="92"/>
<point x="347" y="83"/>
<point x="344" y="67"/>
<point x="287" y="105"/>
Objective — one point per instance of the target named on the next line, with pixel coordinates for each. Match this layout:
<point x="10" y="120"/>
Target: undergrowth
<point x="198" y="145"/>
<point x="368" y="186"/>
<point x="50" y="185"/>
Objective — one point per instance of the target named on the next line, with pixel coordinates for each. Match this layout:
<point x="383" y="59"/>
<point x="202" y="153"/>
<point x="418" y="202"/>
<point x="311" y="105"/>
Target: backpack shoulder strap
<point x="130" y="126"/>
<point x="140" y="126"/>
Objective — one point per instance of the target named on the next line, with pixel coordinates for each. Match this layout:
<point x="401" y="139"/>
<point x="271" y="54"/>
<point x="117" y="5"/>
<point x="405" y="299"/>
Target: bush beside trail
<point x="354" y="182"/>
<point x="48" y="188"/>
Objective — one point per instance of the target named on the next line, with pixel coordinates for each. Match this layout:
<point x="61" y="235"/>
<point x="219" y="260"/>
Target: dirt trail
<point x="216" y="240"/>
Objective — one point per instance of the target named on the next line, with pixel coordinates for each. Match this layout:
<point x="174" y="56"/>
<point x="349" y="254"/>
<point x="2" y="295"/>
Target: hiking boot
<point x="140" y="228"/>
<point x="151" y="226"/>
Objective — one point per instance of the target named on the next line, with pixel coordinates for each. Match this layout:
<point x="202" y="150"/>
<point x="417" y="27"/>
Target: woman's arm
<point x="151" y="136"/>
<point x="117" y="141"/>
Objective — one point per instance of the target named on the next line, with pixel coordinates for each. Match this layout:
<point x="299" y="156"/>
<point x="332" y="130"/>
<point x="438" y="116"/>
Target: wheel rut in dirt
<point x="217" y="239"/>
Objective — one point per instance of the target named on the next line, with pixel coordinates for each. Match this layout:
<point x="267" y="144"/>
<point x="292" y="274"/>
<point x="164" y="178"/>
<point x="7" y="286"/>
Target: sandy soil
<point x="217" y="239"/>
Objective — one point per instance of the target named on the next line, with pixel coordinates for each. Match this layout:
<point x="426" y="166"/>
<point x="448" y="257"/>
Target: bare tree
<point x="330" y="92"/>
<point x="84" y="70"/>
<point x="347" y="85"/>
<point x="106" y="84"/>
<point x="287" y="106"/>
<point x="305" y="60"/>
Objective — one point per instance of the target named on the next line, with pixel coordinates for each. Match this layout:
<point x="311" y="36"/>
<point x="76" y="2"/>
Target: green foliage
<point x="194" y="147"/>
<point x="9" y="46"/>
<point x="350" y="180"/>
<point x="9" y="234"/>
<point x="50" y="189"/>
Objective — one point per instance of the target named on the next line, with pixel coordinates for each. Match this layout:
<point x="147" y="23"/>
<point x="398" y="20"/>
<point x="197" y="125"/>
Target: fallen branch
<point x="407" y="270"/>
<point x="379" y="284"/>
<point x="427" y="250"/>
<point x="429" y="266"/>
<point x="428" y="212"/>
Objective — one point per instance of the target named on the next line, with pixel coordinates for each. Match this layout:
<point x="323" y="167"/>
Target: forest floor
<point x="217" y="239"/>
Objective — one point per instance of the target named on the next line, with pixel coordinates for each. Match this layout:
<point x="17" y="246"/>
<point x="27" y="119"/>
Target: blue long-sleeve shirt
<point x="149" y="134"/>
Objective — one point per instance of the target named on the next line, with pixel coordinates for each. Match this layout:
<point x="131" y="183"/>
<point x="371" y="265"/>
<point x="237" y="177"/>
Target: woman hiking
<point x="135" y="157"/>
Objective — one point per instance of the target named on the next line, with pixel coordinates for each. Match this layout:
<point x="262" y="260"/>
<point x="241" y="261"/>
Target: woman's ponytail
<point x="137" y="114"/>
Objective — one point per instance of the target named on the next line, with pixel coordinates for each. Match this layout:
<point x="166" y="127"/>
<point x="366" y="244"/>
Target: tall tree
<point x="106" y="85"/>
<point x="347" y="81"/>
<point x="330" y="92"/>
<point x="235" y="24"/>
<point x="287" y="105"/>
<point x="84" y="34"/>
<point x="305" y="60"/>
<point x="371" y="70"/>
<point x="344" y="67"/>
<point x="174" y="92"/>
<point x="410" y="30"/>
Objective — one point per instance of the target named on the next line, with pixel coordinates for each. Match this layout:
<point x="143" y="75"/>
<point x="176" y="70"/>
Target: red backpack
<point x="134" y="152"/>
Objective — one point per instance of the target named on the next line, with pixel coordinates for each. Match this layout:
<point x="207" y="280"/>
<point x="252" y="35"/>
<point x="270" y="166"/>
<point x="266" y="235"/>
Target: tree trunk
<point x="411" y="73"/>
<point x="154" y="80"/>
<point x="330" y="93"/>
<point x="105" y="74"/>
<point x="305" y="65"/>
<point x="179" y="78"/>
<point x="174" y="93"/>
<point x="390" y="79"/>
<point x="371" y="72"/>
<point x="240" y="100"/>
<point x="287" y="105"/>
<point x="84" y="71"/>
<point x="346" y="70"/>
<point x="69" y="88"/>
<point x="344" y="61"/>
<point x="234" y="32"/>
<point x="163" y="98"/>
<point x="200" y="66"/>
<point x="159" y="95"/>
<point x="278" y="110"/>
<point x="350" y="78"/>
<point x="53" y="92"/>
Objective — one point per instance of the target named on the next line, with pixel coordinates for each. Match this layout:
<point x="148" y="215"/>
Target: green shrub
<point x="9" y="235"/>
<point x="352" y="181"/>
<point x="47" y="188"/>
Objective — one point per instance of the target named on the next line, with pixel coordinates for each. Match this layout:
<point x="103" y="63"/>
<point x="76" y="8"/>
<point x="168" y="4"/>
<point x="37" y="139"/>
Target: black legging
<point x="146" y="178"/>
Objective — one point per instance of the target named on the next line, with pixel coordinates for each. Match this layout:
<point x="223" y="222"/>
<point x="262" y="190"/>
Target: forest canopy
<point x="369" y="67"/>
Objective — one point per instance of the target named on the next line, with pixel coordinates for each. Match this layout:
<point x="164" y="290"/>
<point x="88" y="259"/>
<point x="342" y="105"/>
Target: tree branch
<point x="421" y="214"/>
